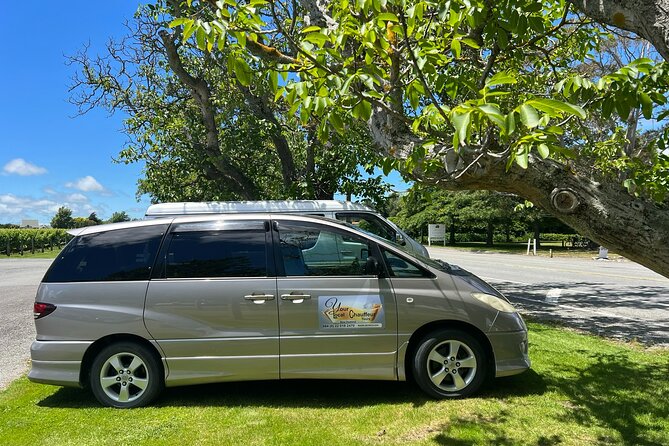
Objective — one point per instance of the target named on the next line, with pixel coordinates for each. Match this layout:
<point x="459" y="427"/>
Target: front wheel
<point x="125" y="375"/>
<point x="449" y="364"/>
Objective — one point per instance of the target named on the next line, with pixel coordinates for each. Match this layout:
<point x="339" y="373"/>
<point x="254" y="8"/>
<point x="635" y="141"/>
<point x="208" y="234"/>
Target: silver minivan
<point x="129" y="308"/>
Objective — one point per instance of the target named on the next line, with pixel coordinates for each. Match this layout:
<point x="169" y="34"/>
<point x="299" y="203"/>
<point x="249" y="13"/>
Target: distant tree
<point x="94" y="218"/>
<point x="63" y="218"/>
<point x="82" y="222"/>
<point x="118" y="217"/>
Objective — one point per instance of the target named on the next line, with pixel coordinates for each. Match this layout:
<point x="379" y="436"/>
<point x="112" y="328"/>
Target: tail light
<point x="41" y="309"/>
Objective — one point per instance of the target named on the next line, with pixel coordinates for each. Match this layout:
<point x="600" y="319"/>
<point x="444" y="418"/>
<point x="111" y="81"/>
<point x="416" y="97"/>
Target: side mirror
<point x="372" y="266"/>
<point x="399" y="239"/>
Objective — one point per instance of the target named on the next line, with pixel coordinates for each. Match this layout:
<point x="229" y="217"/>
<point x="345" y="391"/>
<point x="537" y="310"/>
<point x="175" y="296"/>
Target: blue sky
<point x="48" y="157"/>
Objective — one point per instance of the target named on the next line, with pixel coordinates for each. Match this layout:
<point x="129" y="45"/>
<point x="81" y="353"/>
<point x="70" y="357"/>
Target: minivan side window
<point x="199" y="254"/>
<point x="402" y="268"/>
<point x="369" y="223"/>
<point x="318" y="251"/>
<point x="121" y="254"/>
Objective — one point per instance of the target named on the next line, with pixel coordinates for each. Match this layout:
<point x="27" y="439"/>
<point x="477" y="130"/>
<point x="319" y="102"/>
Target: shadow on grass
<point x="301" y="393"/>
<point x="617" y="393"/>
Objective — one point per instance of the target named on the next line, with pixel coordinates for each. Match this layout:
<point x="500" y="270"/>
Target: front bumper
<point x="57" y="362"/>
<point x="511" y="352"/>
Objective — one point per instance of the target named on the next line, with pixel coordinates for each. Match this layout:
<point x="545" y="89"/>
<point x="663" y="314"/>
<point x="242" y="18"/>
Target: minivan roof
<point x="234" y="207"/>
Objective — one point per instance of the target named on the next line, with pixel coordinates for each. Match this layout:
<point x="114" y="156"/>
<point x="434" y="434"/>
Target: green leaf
<point x="500" y="79"/>
<point x="179" y="21"/>
<point x="461" y="123"/>
<point x="362" y="110"/>
<point x="646" y="105"/>
<point x="529" y="116"/>
<point x="543" y="150"/>
<point x="456" y="48"/>
<point x="554" y="108"/>
<point x="387" y="17"/>
<point x="510" y="123"/>
<point x="242" y="71"/>
<point x="336" y="122"/>
<point x="522" y="157"/>
<point x="316" y="38"/>
<point x="311" y="29"/>
<point x="502" y="38"/>
<point x="201" y="38"/>
<point x="493" y="113"/>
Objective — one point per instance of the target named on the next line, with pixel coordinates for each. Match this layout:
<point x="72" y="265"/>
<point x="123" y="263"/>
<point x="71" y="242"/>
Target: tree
<point x="94" y="218"/>
<point x="466" y="211"/>
<point x="118" y="217"/>
<point x="202" y="135"/>
<point x="469" y="95"/>
<point x="63" y="219"/>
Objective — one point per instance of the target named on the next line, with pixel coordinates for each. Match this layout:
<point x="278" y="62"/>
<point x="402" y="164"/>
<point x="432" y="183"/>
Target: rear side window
<point x="197" y="254"/>
<point x="122" y="254"/>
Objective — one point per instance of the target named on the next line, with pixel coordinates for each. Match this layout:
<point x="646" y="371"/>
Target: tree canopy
<point x="204" y="136"/>
<point x="468" y="94"/>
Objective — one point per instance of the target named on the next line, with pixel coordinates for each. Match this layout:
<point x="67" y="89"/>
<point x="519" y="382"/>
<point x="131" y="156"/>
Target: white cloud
<point x="19" y="206"/>
<point x="86" y="184"/>
<point x="19" y="166"/>
<point x="77" y="198"/>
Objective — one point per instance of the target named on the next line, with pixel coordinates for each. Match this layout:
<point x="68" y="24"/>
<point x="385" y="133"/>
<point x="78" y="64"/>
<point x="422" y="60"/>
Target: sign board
<point x="436" y="232"/>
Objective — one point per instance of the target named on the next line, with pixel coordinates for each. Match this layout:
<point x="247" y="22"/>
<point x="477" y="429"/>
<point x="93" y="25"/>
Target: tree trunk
<point x="489" y="233"/>
<point x="647" y="18"/>
<point x="537" y="233"/>
<point x="451" y="239"/>
<point x="602" y="211"/>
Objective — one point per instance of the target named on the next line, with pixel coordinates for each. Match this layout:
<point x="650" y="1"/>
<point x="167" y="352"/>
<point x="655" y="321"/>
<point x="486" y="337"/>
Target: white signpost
<point x="436" y="232"/>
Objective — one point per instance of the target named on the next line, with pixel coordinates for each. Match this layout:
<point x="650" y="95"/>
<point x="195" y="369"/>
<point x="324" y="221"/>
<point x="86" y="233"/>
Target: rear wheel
<point x="125" y="375"/>
<point x="449" y="364"/>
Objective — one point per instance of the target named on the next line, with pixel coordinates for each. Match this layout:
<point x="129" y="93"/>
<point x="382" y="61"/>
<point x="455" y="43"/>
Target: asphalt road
<point x="621" y="300"/>
<point x="19" y="279"/>
<point x="614" y="299"/>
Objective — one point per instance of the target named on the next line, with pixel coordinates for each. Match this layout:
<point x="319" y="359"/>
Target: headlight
<point x="497" y="303"/>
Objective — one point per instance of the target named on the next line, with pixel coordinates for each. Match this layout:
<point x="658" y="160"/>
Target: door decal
<point x="359" y="311"/>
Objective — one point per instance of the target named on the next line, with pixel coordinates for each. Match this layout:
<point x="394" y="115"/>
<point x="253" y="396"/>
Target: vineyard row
<point x="18" y="241"/>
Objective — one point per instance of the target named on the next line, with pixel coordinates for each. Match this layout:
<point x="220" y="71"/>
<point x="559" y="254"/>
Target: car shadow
<point x="302" y="393"/>
<point x="598" y="308"/>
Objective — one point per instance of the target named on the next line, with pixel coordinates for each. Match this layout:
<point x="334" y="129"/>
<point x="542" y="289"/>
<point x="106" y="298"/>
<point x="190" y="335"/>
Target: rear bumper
<point x="57" y="362"/>
<point x="511" y="356"/>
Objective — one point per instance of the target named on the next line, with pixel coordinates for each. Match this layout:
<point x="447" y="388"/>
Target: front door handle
<point x="259" y="298"/>
<point x="295" y="297"/>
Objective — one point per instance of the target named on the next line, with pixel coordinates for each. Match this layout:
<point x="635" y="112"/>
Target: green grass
<point x="582" y="390"/>
<point x="47" y="254"/>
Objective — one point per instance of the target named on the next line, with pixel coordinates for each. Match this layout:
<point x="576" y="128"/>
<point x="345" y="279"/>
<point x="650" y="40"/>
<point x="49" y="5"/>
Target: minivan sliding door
<point x="213" y="307"/>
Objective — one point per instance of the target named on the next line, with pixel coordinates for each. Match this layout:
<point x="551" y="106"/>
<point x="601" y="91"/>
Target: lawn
<point x="582" y="390"/>
<point x="47" y="254"/>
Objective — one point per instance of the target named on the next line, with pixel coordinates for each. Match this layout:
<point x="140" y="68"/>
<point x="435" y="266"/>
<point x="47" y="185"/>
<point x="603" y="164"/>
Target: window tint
<point x="369" y="223"/>
<point x="402" y="268"/>
<point x="316" y="251"/>
<point x="122" y="254"/>
<point x="216" y="254"/>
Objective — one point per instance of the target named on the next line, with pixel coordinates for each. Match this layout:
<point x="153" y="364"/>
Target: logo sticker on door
<point x="361" y="311"/>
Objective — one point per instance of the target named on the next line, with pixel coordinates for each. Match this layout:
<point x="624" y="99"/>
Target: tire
<point x="126" y="375"/>
<point x="449" y="364"/>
